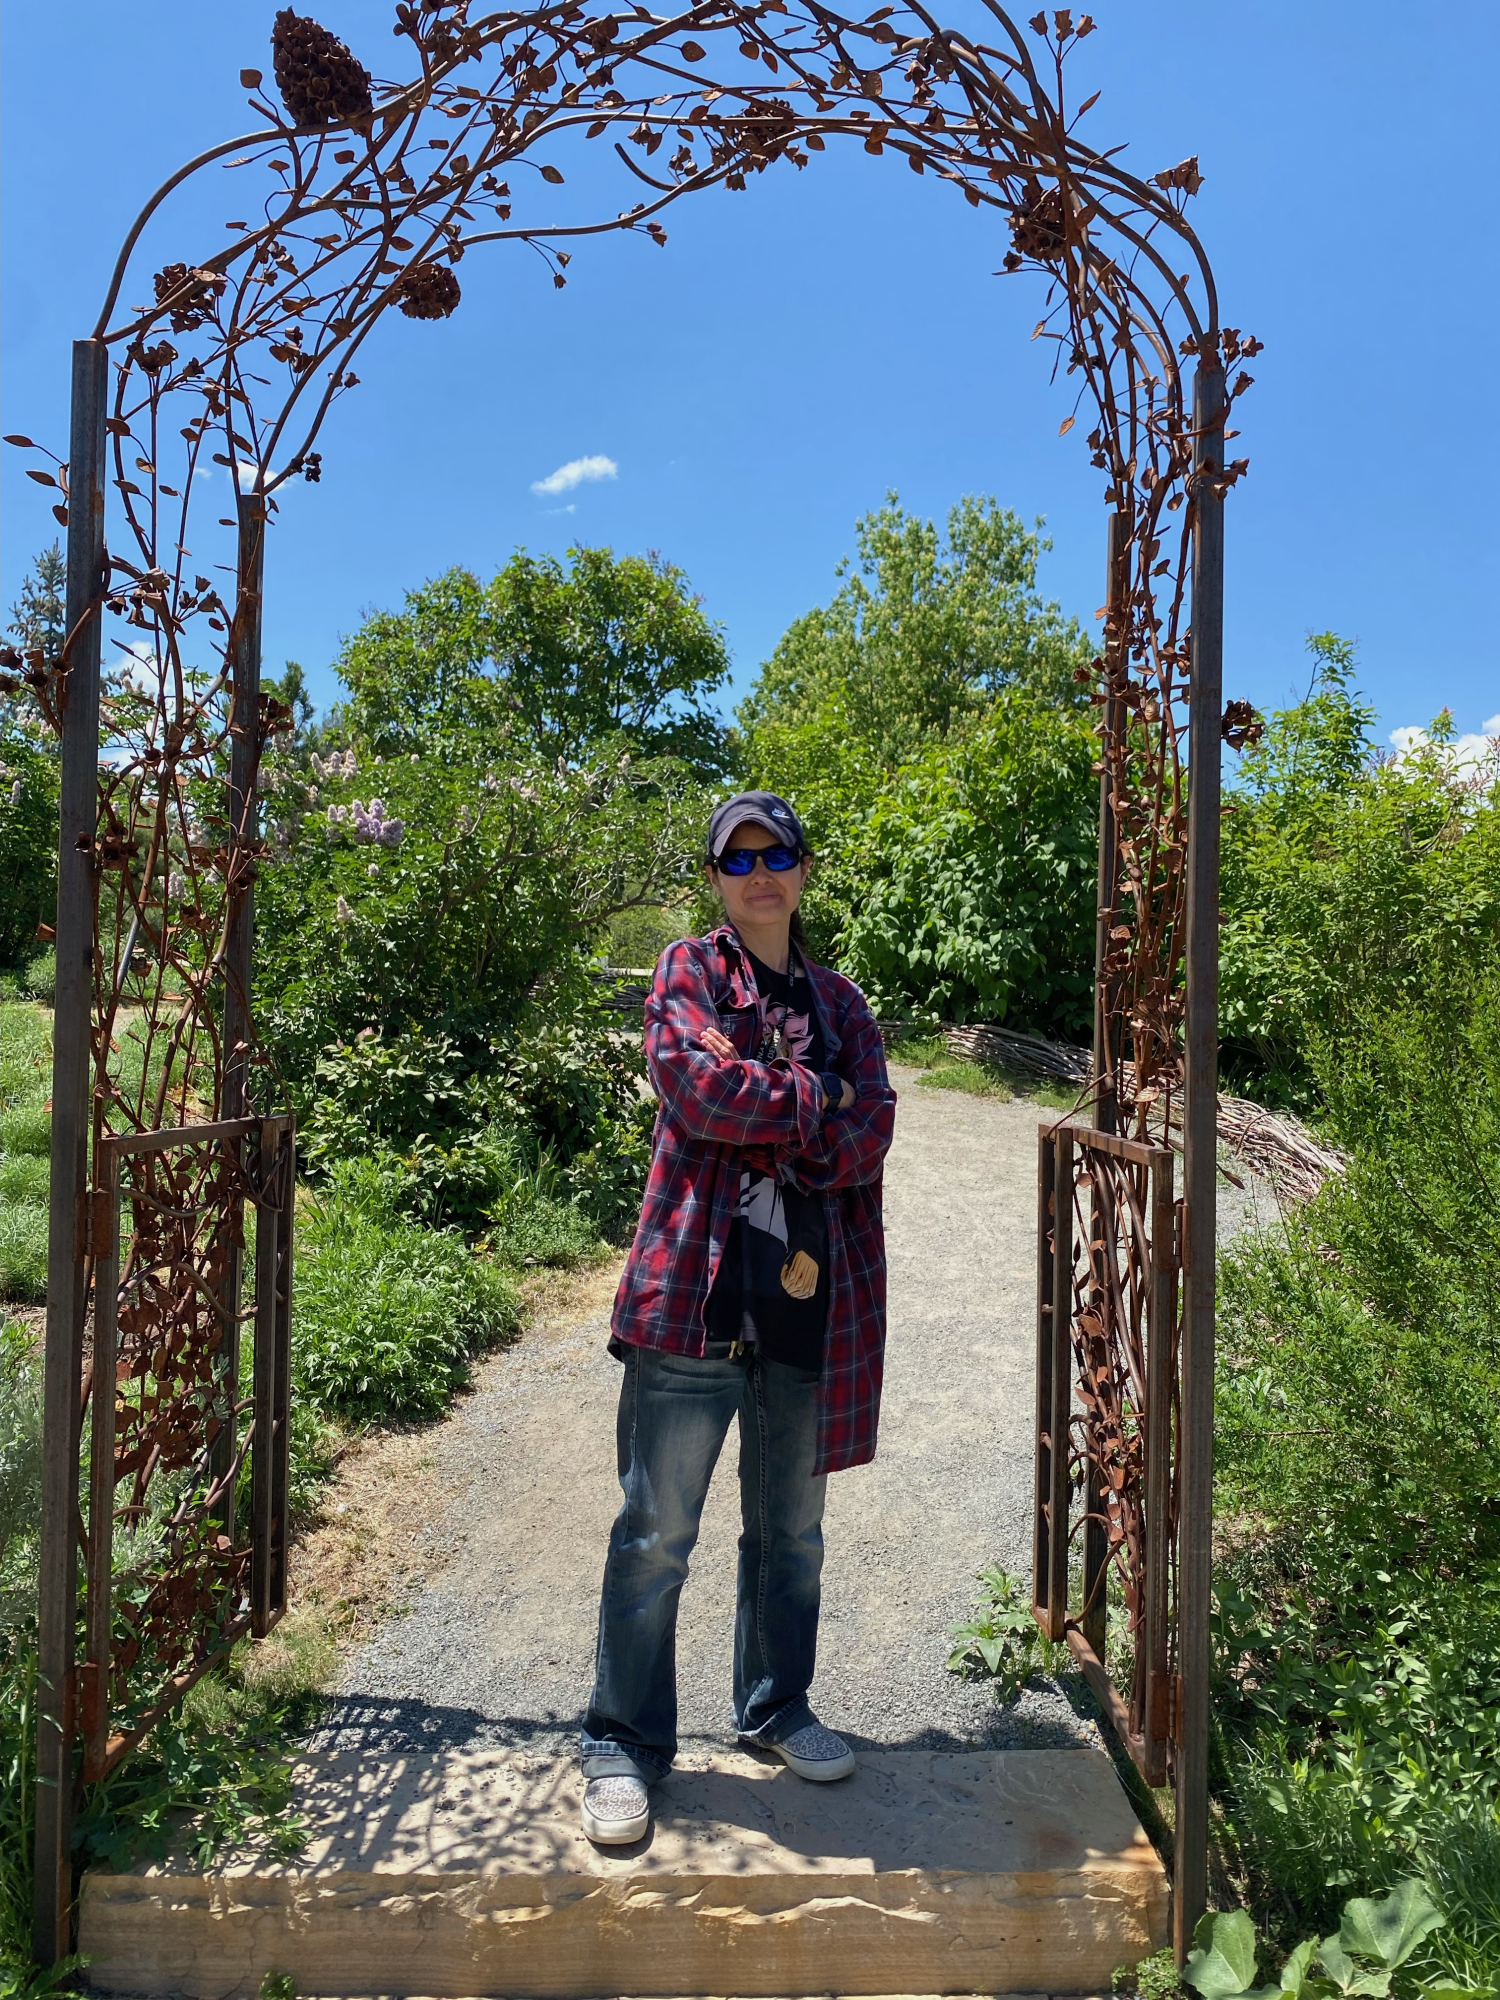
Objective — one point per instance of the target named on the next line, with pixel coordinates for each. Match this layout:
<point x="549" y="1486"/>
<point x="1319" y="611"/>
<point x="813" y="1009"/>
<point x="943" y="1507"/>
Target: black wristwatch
<point x="833" y="1091"/>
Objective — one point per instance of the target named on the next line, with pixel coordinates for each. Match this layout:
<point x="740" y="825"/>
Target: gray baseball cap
<point x="754" y="809"/>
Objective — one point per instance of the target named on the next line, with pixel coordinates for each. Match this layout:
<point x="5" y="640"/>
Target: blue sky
<point x="798" y="349"/>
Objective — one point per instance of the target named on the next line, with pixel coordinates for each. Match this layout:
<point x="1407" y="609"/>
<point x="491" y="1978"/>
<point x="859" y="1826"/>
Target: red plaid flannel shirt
<point x="713" y="1115"/>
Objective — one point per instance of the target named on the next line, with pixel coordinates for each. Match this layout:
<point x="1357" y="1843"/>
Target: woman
<point x="755" y="1288"/>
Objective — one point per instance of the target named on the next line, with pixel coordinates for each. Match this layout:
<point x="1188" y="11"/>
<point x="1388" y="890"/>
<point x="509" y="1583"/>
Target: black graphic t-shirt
<point x="776" y="1226"/>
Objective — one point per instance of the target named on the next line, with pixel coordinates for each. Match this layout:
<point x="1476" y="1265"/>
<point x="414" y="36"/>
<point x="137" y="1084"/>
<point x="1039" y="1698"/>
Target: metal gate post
<point x="243" y="817"/>
<point x="1200" y="1141"/>
<point x="68" y="1247"/>
<point x="240" y="801"/>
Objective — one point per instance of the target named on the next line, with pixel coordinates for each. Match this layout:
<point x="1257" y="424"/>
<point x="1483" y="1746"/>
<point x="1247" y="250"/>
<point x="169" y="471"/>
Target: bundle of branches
<point x="1268" y="1142"/>
<point x="1030" y="1055"/>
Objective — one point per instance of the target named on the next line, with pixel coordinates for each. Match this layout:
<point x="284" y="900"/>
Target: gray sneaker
<point x="616" y="1810"/>
<point x="816" y="1753"/>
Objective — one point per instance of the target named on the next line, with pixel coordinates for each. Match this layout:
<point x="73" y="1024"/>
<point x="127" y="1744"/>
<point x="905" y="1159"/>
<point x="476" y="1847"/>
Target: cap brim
<point x="752" y="816"/>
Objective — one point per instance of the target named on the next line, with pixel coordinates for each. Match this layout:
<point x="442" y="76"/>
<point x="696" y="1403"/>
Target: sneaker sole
<point x="615" y="1832"/>
<point x="822" y="1771"/>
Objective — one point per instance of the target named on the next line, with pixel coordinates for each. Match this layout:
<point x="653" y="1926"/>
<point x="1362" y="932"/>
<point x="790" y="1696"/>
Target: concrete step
<point x="465" y="1873"/>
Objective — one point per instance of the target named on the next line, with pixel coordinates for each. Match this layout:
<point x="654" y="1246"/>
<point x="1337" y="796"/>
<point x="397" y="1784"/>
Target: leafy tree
<point x="920" y="637"/>
<point x="563" y="662"/>
<point x="910" y="659"/>
<point x="1349" y="880"/>
<point x="29" y="771"/>
<point x="972" y="880"/>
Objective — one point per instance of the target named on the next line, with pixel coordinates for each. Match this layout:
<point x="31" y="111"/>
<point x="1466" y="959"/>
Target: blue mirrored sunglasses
<point x="742" y="860"/>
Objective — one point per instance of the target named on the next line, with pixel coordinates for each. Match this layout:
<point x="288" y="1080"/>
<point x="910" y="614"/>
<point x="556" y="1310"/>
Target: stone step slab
<point x="465" y="1873"/>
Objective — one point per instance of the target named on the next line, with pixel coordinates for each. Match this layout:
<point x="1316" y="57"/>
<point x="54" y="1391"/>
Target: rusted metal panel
<point x="161" y="1405"/>
<point x="1114" y="1372"/>
<point x="177" y="1135"/>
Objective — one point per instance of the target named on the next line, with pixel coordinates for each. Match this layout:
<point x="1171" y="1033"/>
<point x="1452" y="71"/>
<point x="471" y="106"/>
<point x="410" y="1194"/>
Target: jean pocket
<point x="712" y="1363"/>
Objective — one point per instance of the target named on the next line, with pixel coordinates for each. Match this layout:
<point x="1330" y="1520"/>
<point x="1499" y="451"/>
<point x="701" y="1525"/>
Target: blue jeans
<point x="675" y="1412"/>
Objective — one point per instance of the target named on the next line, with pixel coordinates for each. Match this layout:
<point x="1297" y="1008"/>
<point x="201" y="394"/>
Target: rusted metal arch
<point x="155" y="889"/>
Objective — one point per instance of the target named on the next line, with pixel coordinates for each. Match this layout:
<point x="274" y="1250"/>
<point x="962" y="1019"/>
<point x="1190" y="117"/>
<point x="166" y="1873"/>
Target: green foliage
<point x="1348" y="883"/>
<point x="39" y="980"/>
<point x="30" y="771"/>
<point x="864" y="712"/>
<point x="637" y="938"/>
<point x="20" y="1474"/>
<point x="1374" y="1940"/>
<point x="566" y="663"/>
<point x="23" y="1252"/>
<point x="25" y="1142"/>
<point x="919" y="638"/>
<point x="1358" y="1624"/>
<point x="481" y="890"/>
<point x="495" y="1135"/>
<point x="1002" y="1642"/>
<point x="389" y="1315"/>
<point x="1153" y="1978"/>
<point x="941" y="1070"/>
<point x="17" y="1804"/>
<point x="29" y="782"/>
<point x="977" y="870"/>
<point x="1379" y="1414"/>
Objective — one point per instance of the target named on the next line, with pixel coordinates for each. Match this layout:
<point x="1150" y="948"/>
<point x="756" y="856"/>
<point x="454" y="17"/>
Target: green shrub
<point x="472" y="1133"/>
<point x="23" y="1253"/>
<point x="1358" y="1461"/>
<point x="39" y="980"/>
<point x="638" y="937"/>
<point x="1361" y="1345"/>
<point x="527" y="1227"/>
<point x="25" y="1055"/>
<point x="389" y="1315"/>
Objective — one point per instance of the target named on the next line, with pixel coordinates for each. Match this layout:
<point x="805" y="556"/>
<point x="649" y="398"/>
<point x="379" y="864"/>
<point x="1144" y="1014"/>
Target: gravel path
<point x="496" y="1644"/>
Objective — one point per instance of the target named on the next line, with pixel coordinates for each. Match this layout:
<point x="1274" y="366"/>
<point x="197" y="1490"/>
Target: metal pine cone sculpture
<point x="320" y="80"/>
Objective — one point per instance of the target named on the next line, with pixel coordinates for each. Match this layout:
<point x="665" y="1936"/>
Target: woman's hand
<point x="800" y="1276"/>
<point x="720" y="1045"/>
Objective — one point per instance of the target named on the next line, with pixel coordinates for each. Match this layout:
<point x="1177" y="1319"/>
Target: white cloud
<point x="1467" y="753"/>
<point x="575" y="473"/>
